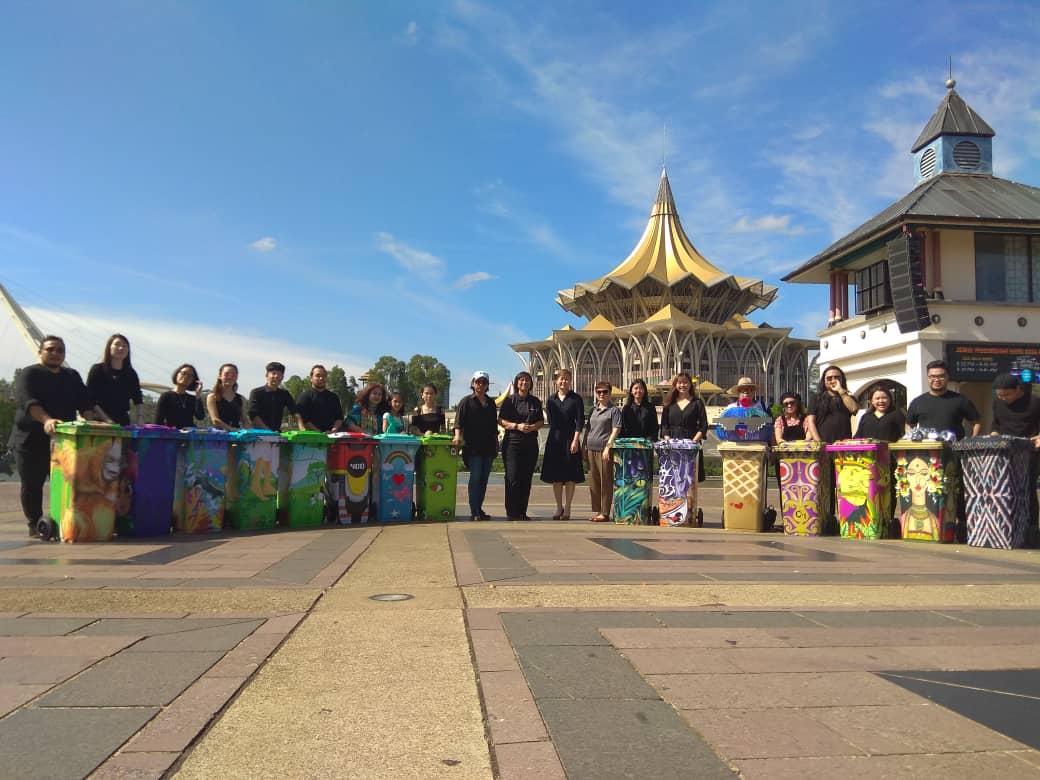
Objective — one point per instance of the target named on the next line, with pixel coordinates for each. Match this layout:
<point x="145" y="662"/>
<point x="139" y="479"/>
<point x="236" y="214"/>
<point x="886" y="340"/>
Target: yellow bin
<point x="743" y="485"/>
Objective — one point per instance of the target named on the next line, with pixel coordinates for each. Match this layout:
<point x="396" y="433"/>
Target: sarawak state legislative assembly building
<point x="666" y="308"/>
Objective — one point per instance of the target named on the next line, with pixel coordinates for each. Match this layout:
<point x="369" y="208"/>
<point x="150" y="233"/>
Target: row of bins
<point x="148" y="480"/>
<point x="868" y="489"/>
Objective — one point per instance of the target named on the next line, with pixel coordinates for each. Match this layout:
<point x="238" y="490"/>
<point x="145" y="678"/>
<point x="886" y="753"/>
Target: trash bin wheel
<point x="415" y="511"/>
<point x="655" y="516"/>
<point x="46" y="529"/>
<point x="700" y="517"/>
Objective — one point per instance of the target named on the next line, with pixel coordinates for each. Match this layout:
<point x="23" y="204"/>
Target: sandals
<point x="598" y="519"/>
<point x="561" y="515"/>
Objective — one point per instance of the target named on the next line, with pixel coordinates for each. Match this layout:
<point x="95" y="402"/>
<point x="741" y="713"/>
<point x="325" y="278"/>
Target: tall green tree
<point x="426" y="368"/>
<point x="345" y="388"/>
<point x="296" y="385"/>
<point x="393" y="375"/>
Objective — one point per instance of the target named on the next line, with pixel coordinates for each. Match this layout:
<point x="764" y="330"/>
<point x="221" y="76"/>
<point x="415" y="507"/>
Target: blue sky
<point x="331" y="182"/>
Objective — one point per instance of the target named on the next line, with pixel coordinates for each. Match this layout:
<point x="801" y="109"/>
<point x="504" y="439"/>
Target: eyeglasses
<point x="601" y="392"/>
<point x="481" y="382"/>
<point x="52" y="349"/>
<point x="790" y="403"/>
<point x="936" y="376"/>
<point x="832" y="376"/>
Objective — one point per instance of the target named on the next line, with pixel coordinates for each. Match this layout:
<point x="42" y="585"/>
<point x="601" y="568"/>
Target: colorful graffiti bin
<point x="862" y="479"/>
<point x="677" y="482"/>
<point x="205" y="482"/>
<point x="435" y="480"/>
<point x="804" y="486"/>
<point x="88" y="490"/>
<point x="926" y="512"/>
<point x="633" y="463"/>
<point x="397" y="476"/>
<point x="301" y="485"/>
<point x="252" y="492"/>
<point x="349" y="484"/>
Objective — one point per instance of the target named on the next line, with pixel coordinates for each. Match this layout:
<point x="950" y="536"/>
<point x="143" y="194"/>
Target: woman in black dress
<point x="684" y="416"/>
<point x="226" y="407"/>
<point x="638" y="415"/>
<point x="521" y="418"/>
<point x="176" y="408"/>
<point x="113" y="383"/>
<point x="830" y="413"/>
<point x="561" y="463"/>
<point x="428" y="417"/>
<point x="882" y="420"/>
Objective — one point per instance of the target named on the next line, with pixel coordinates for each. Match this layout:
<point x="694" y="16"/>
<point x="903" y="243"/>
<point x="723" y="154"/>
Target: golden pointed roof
<point x="666" y="260"/>
<point x="669" y="312"/>
<point x="599" y="322"/>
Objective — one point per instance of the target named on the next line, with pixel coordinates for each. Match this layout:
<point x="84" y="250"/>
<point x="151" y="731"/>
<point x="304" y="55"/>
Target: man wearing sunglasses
<point x="45" y="394"/>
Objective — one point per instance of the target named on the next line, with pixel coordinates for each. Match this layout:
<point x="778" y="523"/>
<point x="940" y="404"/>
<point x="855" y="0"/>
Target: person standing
<point x="683" y="415"/>
<point x="366" y="416"/>
<point x="789" y="425"/>
<point x="602" y="429"/>
<point x="45" y="394"/>
<point x="113" y="383"/>
<point x="1017" y="413"/>
<point x="176" y="408"/>
<point x="521" y="417"/>
<point x="561" y="461"/>
<point x="638" y="415"/>
<point x="831" y="411"/>
<point x="476" y="430"/>
<point x="268" y="403"/>
<point x="226" y="406"/>
<point x="882" y="420"/>
<point x="317" y="407"/>
<point x="427" y="417"/>
<point x="942" y="409"/>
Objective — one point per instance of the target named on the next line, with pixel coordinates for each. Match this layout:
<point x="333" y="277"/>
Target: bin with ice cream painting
<point x="88" y="490"/>
<point x="349" y="481"/>
<point x="862" y="490"/>
<point x="396" y="477"/>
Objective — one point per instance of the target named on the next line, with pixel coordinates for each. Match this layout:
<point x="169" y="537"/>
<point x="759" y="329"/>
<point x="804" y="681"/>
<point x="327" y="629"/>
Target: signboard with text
<point x="981" y="361"/>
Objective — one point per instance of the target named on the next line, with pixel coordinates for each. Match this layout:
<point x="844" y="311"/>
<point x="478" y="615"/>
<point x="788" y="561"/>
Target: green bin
<point x="435" y="479"/>
<point x="88" y="489"/>
<point x="252" y="488"/>
<point x="301" y="486"/>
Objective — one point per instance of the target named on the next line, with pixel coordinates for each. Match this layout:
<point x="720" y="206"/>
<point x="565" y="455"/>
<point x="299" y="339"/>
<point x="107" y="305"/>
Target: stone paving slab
<point x="953" y="766"/>
<point x="41" y="626"/>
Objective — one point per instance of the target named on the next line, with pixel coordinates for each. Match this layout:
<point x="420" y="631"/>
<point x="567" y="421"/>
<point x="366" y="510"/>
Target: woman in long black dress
<point x="113" y="383"/>
<point x="882" y="420"/>
<point x="684" y="416"/>
<point x="521" y="418"/>
<point x="561" y="463"/>
<point x="177" y="408"/>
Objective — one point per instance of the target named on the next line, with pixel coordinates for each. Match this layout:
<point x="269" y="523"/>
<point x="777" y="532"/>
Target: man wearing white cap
<point x="476" y="428"/>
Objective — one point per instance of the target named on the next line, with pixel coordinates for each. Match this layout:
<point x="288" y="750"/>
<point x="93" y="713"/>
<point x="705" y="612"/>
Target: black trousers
<point x="520" y="454"/>
<point x="34" y="464"/>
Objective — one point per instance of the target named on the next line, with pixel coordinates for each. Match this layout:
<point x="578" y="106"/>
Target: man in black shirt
<point x="267" y="404"/>
<point x="318" y="408"/>
<point x="45" y="394"/>
<point x="941" y="408"/>
<point x="1016" y="413"/>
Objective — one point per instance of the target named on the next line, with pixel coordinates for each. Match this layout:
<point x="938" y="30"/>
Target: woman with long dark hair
<point x="561" y="462"/>
<point x="683" y="415"/>
<point x="881" y="420"/>
<point x="113" y="383"/>
<point x="521" y="417"/>
<point x="789" y="425"/>
<point x="366" y="416"/>
<point x="428" y="417"/>
<point x="830" y="413"/>
<point x="176" y="408"/>
<point x="638" y="415"/>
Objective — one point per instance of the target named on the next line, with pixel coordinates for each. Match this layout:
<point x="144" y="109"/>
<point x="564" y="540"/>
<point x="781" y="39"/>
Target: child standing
<point x="393" y="420"/>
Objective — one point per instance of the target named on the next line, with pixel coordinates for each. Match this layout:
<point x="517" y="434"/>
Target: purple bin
<point x="149" y="471"/>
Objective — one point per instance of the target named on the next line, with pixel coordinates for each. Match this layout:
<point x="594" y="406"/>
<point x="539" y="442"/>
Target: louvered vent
<point x="966" y="155"/>
<point x="928" y="163"/>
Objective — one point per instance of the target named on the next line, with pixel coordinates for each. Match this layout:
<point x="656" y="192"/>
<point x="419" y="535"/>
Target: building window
<point x="1007" y="268"/>
<point x="872" y="288"/>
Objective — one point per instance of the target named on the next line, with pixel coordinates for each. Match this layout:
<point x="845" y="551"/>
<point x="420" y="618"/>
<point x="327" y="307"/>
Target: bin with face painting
<point x="862" y="491"/>
<point x="436" y="477"/>
<point x="349" y="485"/>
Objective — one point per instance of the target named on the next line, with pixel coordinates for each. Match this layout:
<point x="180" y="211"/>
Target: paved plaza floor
<point x="526" y="650"/>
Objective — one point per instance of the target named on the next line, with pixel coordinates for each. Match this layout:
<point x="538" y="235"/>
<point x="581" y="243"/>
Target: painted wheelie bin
<point x="349" y="482"/>
<point x="396" y="477"/>
<point x="151" y="474"/>
<point x="301" y="488"/>
<point x="996" y="473"/>
<point x="804" y="486"/>
<point x="677" y="482"/>
<point x="744" y="485"/>
<point x="923" y="480"/>
<point x="252" y="489"/>
<point x="633" y="460"/>
<point x="205" y="481"/>
<point x="862" y="491"/>
<point x="436" y="477"/>
<point x="88" y="490"/>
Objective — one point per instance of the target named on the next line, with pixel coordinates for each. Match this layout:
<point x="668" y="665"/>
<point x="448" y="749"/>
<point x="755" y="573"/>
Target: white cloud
<point x="265" y="244"/>
<point x="466" y="281"/>
<point x="410" y="36"/>
<point x="767" y="223"/>
<point x="412" y="259"/>
<point x="498" y="200"/>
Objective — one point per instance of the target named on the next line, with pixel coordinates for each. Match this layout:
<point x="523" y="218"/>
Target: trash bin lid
<point x="906" y="445"/>
<point x="992" y="443"/>
<point x="207" y="434"/>
<point x="349" y="436"/>
<point x="677" y="444"/>
<point x="397" y="438"/>
<point x="316" y="438"/>
<point x="857" y="445"/>
<point x="742" y="446"/>
<point x="245" y="435"/>
<point x="437" y="438"/>
<point x="633" y="443"/>
<point x="151" y="431"/>
<point x="91" y="428"/>
<point x="799" y="447"/>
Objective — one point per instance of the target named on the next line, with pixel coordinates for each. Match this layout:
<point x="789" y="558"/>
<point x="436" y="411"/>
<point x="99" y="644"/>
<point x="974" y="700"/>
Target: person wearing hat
<point x="476" y="429"/>
<point x="745" y="391"/>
